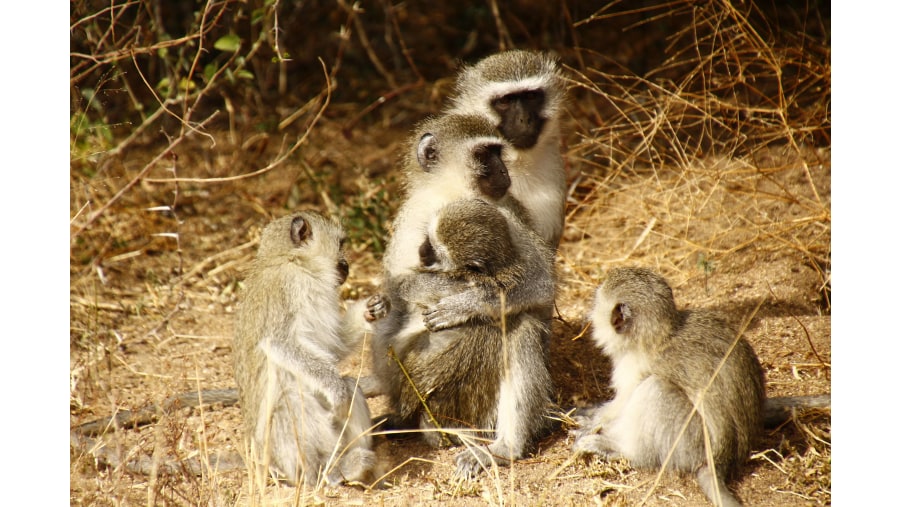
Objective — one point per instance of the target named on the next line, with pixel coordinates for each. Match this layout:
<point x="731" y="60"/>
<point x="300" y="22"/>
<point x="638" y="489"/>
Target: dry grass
<point x="712" y="167"/>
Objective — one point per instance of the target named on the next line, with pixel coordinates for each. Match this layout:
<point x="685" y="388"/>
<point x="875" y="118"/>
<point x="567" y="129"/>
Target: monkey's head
<point x="461" y="150"/>
<point x="520" y="91"/>
<point x="634" y="310"/>
<point x="469" y="236"/>
<point x="306" y="239"/>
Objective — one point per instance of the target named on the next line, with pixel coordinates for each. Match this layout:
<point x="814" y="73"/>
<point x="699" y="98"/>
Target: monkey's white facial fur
<point x="520" y="91"/>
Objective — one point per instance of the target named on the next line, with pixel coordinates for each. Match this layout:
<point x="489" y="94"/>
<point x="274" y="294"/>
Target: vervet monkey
<point x="490" y="372"/>
<point x="449" y="157"/>
<point x="522" y="93"/>
<point x="667" y="362"/>
<point x="301" y="417"/>
<point x="452" y="157"/>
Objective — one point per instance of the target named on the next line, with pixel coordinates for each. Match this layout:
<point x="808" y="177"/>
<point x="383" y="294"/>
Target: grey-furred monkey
<point x="663" y="359"/>
<point x="471" y="375"/>
<point x="450" y="157"/>
<point x="301" y="418"/>
<point x="522" y="93"/>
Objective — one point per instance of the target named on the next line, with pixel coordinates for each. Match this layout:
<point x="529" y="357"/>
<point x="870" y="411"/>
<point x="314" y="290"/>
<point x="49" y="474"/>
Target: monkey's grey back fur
<point x="663" y="360"/>
<point x="287" y="345"/>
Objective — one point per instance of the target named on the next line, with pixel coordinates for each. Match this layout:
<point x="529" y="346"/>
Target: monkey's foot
<point x="597" y="444"/>
<point x="475" y="459"/>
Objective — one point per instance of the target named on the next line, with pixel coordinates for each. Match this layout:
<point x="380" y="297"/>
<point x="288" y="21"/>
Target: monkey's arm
<point x="313" y="368"/>
<point x="527" y="287"/>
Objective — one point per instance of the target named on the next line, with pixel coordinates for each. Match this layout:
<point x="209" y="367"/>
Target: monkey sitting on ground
<point x="667" y="363"/>
<point x="452" y="157"/>
<point x="486" y="373"/>
<point x="301" y="418"/>
<point x="522" y="94"/>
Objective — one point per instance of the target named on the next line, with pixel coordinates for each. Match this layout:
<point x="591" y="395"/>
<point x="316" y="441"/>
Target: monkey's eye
<point x="501" y="104"/>
<point x="426" y="153"/>
<point x="477" y="266"/>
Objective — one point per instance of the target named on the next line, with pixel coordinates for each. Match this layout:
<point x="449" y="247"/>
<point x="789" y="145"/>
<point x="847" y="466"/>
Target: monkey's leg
<point x="524" y="397"/>
<point x="714" y="488"/>
<point x="599" y="444"/>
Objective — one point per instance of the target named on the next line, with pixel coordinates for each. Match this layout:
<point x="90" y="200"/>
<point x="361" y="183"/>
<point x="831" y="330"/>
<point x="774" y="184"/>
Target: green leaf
<point x="230" y="42"/>
<point x="244" y="74"/>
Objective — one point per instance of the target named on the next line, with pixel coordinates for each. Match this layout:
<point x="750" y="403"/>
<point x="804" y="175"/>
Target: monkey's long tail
<point x="778" y="410"/>
<point x="81" y="441"/>
<point x="149" y="415"/>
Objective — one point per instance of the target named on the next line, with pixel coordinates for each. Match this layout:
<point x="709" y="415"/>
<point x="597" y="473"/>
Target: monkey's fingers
<point x="377" y="307"/>
<point x="437" y="319"/>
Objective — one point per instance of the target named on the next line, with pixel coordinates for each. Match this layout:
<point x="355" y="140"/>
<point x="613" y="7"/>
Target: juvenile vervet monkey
<point x="663" y="359"/>
<point x="522" y="93"/>
<point x="472" y="375"/>
<point x="301" y="417"/>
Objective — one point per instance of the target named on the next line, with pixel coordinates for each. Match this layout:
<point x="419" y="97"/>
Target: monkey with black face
<point x="488" y="373"/>
<point x="451" y="157"/>
<point x="667" y="363"/>
<point x="301" y="418"/>
<point x="522" y="94"/>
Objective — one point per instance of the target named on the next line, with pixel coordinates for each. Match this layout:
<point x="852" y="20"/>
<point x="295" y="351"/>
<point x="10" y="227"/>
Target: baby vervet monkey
<point x="301" y="418"/>
<point x="522" y="93"/>
<point x="488" y="373"/>
<point x="667" y="362"/>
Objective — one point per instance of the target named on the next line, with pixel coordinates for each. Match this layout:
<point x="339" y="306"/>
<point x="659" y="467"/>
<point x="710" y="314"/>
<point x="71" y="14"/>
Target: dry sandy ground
<point x="154" y="317"/>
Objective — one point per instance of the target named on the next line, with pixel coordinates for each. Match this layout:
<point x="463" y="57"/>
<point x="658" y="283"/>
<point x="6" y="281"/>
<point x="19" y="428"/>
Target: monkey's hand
<point x="336" y="399"/>
<point x="453" y="310"/>
<point x="377" y="307"/>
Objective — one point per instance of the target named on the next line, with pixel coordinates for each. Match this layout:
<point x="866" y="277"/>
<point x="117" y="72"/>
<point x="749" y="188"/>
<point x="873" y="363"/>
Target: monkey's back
<point x="732" y="405"/>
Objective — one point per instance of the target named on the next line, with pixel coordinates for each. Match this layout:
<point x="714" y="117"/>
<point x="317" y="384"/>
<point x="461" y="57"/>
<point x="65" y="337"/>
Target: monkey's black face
<point x="521" y="122"/>
<point x="343" y="269"/>
<point x="427" y="257"/>
<point x="491" y="175"/>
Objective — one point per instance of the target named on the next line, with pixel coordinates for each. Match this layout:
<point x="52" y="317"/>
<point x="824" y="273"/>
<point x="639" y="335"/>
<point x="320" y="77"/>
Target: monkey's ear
<point x="621" y="318"/>
<point x="427" y="152"/>
<point x="300" y="231"/>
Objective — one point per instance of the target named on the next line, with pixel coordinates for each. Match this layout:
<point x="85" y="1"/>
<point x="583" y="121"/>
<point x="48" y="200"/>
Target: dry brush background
<point x="698" y="144"/>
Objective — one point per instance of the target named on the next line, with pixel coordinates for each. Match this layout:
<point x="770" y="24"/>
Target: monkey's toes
<point x="470" y="463"/>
